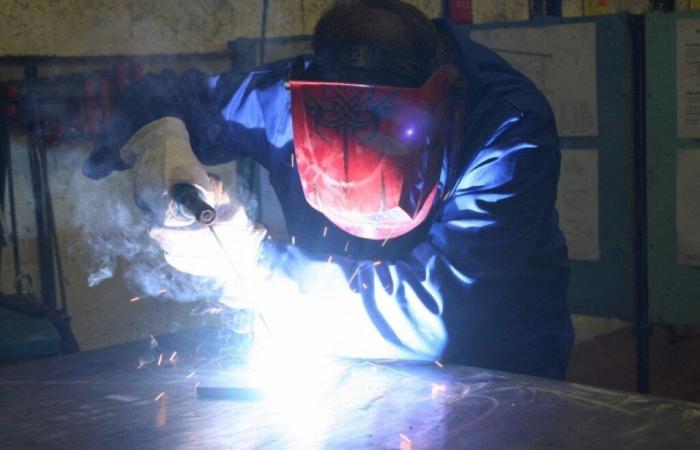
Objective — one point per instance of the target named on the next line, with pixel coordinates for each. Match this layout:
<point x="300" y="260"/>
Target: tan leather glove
<point x="160" y="156"/>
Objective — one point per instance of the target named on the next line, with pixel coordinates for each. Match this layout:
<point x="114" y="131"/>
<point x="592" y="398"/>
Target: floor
<point x="609" y="361"/>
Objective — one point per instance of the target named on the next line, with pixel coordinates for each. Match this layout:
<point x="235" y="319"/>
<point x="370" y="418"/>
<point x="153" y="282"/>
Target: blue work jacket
<point x="481" y="282"/>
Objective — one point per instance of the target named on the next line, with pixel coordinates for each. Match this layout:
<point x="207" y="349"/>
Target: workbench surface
<point x="102" y="399"/>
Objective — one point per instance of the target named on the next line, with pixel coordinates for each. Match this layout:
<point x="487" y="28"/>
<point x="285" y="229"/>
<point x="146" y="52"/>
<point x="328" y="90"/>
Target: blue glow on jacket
<point x="482" y="282"/>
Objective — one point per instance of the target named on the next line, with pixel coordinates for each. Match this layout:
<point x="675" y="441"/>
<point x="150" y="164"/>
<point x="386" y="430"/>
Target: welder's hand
<point x="232" y="260"/>
<point x="160" y="155"/>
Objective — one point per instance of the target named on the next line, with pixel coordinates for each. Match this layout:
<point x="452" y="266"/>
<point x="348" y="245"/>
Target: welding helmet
<point x="369" y="155"/>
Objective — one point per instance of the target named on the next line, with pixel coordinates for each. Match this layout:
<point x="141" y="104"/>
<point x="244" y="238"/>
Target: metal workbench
<point x="102" y="399"/>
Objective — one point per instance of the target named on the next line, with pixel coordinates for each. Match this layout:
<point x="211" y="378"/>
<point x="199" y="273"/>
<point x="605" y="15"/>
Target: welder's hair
<point x="384" y="24"/>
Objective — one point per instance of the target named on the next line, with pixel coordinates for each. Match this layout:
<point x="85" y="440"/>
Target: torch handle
<point x="190" y="203"/>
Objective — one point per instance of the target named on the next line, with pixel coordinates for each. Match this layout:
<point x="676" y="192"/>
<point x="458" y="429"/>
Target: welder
<point x="417" y="174"/>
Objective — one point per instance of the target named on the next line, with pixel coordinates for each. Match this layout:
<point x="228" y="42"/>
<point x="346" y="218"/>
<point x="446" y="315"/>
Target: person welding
<point x="417" y="173"/>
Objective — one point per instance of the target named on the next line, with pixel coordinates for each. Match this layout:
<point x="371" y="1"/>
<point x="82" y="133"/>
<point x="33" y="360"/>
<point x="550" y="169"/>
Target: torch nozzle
<point x="190" y="203"/>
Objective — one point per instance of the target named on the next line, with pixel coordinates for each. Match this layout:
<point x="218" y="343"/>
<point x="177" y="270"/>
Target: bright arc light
<point x="298" y="385"/>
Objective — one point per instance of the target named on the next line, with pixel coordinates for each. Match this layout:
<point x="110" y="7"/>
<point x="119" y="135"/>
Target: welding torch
<point x="190" y="204"/>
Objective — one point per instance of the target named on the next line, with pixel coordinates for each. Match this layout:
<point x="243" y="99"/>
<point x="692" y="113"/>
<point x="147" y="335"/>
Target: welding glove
<point x="160" y="156"/>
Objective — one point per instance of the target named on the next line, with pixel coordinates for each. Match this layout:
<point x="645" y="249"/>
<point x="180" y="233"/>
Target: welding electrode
<point x="190" y="203"/>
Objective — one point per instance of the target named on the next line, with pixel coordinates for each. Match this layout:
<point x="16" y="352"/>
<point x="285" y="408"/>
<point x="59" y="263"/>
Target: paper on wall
<point x="688" y="77"/>
<point x="577" y="203"/>
<point x="561" y="61"/>
<point x="688" y="207"/>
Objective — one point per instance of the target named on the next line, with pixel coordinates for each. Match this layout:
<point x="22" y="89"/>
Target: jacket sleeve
<point x="483" y="237"/>
<point x="222" y="115"/>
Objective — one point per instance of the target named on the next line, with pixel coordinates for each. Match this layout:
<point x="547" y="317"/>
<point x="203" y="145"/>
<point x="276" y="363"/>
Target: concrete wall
<point x="108" y="27"/>
<point x="103" y="314"/>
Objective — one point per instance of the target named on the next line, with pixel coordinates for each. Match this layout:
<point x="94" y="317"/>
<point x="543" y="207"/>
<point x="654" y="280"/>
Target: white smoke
<point x="115" y="233"/>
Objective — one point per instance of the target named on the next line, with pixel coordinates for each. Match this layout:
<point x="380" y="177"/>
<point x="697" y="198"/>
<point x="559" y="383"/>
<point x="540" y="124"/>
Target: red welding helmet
<point x="369" y="156"/>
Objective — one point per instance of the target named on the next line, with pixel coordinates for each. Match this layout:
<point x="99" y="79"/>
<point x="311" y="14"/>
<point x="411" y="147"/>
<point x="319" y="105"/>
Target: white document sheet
<point x="688" y="77"/>
<point x="561" y="61"/>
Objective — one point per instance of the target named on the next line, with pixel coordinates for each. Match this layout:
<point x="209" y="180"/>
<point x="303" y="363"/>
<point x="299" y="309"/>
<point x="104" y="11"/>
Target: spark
<point x="354" y="274"/>
<point x="159" y="396"/>
<point x="364" y="286"/>
<point x="172" y="357"/>
<point x="291" y="159"/>
<point x="135" y="299"/>
<point x="376" y="263"/>
<point x="325" y="231"/>
<point x="330" y="259"/>
<point x="196" y="385"/>
<point x="189" y="376"/>
<point x="160" y="360"/>
<point x="439" y="364"/>
<point x="153" y="343"/>
<point x="384" y="243"/>
<point x="143" y="362"/>
<point x="347" y="244"/>
<point x="405" y="442"/>
<point x="162" y="291"/>
<point x="294" y="240"/>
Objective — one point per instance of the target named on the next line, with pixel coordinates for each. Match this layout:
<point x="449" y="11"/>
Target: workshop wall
<point x="103" y="315"/>
<point x="138" y="27"/>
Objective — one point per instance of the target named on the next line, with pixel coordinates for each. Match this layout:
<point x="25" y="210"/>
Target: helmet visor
<point x="369" y="157"/>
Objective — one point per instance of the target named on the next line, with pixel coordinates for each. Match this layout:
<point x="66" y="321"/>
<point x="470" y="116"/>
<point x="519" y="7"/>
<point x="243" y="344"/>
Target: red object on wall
<point x="460" y="11"/>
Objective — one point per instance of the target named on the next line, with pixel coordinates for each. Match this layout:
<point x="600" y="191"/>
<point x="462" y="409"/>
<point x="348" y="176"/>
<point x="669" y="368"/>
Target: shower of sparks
<point x="376" y="263"/>
<point x="294" y="240"/>
<point x="405" y="442"/>
<point x="439" y="364"/>
<point x="160" y="360"/>
<point x="135" y="299"/>
<point x="364" y="286"/>
<point x="347" y="244"/>
<point x="172" y="357"/>
<point x="159" y="396"/>
<point x="325" y="231"/>
<point x="190" y="375"/>
<point x="384" y="243"/>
